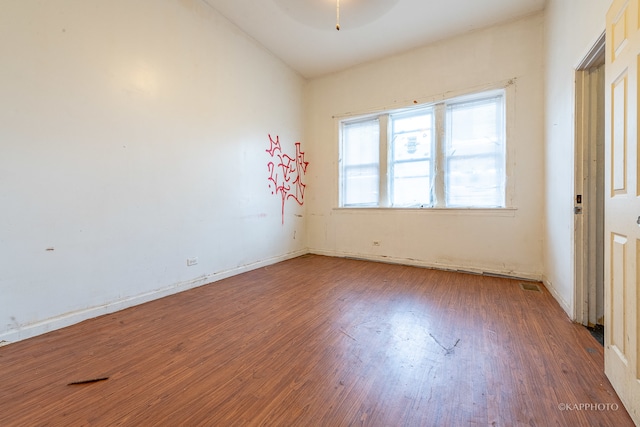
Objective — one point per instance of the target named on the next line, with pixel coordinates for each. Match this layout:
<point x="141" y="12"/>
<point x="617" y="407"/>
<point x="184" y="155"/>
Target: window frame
<point x="439" y="104"/>
<point x="391" y="144"/>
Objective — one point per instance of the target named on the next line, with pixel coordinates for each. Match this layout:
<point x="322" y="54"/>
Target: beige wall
<point x="509" y="241"/>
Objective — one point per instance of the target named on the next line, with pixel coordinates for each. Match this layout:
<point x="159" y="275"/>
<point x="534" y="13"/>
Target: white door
<point x="622" y="204"/>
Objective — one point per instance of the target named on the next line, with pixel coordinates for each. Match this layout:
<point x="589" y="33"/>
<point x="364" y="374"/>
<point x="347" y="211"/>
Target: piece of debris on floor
<point x="89" y="381"/>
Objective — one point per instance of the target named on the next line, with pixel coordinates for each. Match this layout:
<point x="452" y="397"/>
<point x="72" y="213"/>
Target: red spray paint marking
<point x="286" y="172"/>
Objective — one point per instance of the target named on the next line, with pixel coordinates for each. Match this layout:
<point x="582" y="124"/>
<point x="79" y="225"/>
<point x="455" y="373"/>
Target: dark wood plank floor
<point x="319" y="341"/>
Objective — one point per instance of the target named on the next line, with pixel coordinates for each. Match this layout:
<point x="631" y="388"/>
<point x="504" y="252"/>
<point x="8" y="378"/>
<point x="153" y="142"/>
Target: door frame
<point x="588" y="217"/>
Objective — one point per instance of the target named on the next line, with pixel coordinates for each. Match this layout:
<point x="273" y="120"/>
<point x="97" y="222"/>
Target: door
<point x="622" y="204"/>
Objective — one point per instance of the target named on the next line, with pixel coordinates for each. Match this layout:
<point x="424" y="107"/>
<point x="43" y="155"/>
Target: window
<point x="361" y="162"/>
<point x="446" y="154"/>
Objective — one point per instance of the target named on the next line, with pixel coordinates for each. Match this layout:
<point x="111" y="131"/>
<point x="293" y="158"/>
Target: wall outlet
<point x="192" y="261"/>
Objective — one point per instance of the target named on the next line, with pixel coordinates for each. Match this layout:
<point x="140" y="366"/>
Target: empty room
<point x="319" y="213"/>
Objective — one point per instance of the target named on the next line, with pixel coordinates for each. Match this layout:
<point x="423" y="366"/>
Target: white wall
<point x="508" y="242"/>
<point x="133" y="137"/>
<point x="572" y="28"/>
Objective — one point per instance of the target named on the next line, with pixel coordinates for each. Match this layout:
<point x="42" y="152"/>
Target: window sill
<point x="507" y="212"/>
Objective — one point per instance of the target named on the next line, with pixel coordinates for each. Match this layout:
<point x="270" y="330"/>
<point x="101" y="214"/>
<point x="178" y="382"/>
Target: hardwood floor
<point x="319" y="341"/>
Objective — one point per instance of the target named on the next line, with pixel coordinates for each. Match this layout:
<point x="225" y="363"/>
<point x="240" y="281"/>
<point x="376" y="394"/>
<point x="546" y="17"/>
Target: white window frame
<point x="438" y="103"/>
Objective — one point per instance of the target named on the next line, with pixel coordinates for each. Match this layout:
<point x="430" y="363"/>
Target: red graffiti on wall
<point x="286" y="173"/>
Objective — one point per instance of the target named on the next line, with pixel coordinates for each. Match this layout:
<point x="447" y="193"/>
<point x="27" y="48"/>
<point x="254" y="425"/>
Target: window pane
<point x="475" y="154"/>
<point x="360" y="163"/>
<point x="410" y="158"/>
<point x="360" y="143"/>
<point x="361" y="186"/>
<point x="412" y="136"/>
<point x="474" y="182"/>
<point x="412" y="184"/>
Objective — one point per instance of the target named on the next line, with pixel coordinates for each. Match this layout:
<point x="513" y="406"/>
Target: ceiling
<point x="303" y="32"/>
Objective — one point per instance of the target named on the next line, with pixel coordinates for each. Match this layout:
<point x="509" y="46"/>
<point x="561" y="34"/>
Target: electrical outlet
<point x="192" y="261"/>
<point x="376" y="243"/>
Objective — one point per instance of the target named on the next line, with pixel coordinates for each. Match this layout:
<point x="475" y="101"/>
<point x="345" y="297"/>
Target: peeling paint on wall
<point x="286" y="173"/>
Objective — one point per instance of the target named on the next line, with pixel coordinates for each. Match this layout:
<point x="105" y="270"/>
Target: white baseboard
<point x="563" y="304"/>
<point x="434" y="265"/>
<point x="67" y="319"/>
<point x="31" y="330"/>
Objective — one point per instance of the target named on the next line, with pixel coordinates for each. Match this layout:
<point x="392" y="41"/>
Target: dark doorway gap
<point x="597" y="332"/>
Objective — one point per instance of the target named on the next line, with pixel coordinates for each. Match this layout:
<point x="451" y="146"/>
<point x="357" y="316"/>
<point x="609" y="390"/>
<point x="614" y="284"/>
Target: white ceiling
<point x="303" y="32"/>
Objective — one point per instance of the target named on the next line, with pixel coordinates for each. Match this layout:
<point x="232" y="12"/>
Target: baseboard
<point x="563" y="304"/>
<point x="434" y="265"/>
<point x="68" y="319"/>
